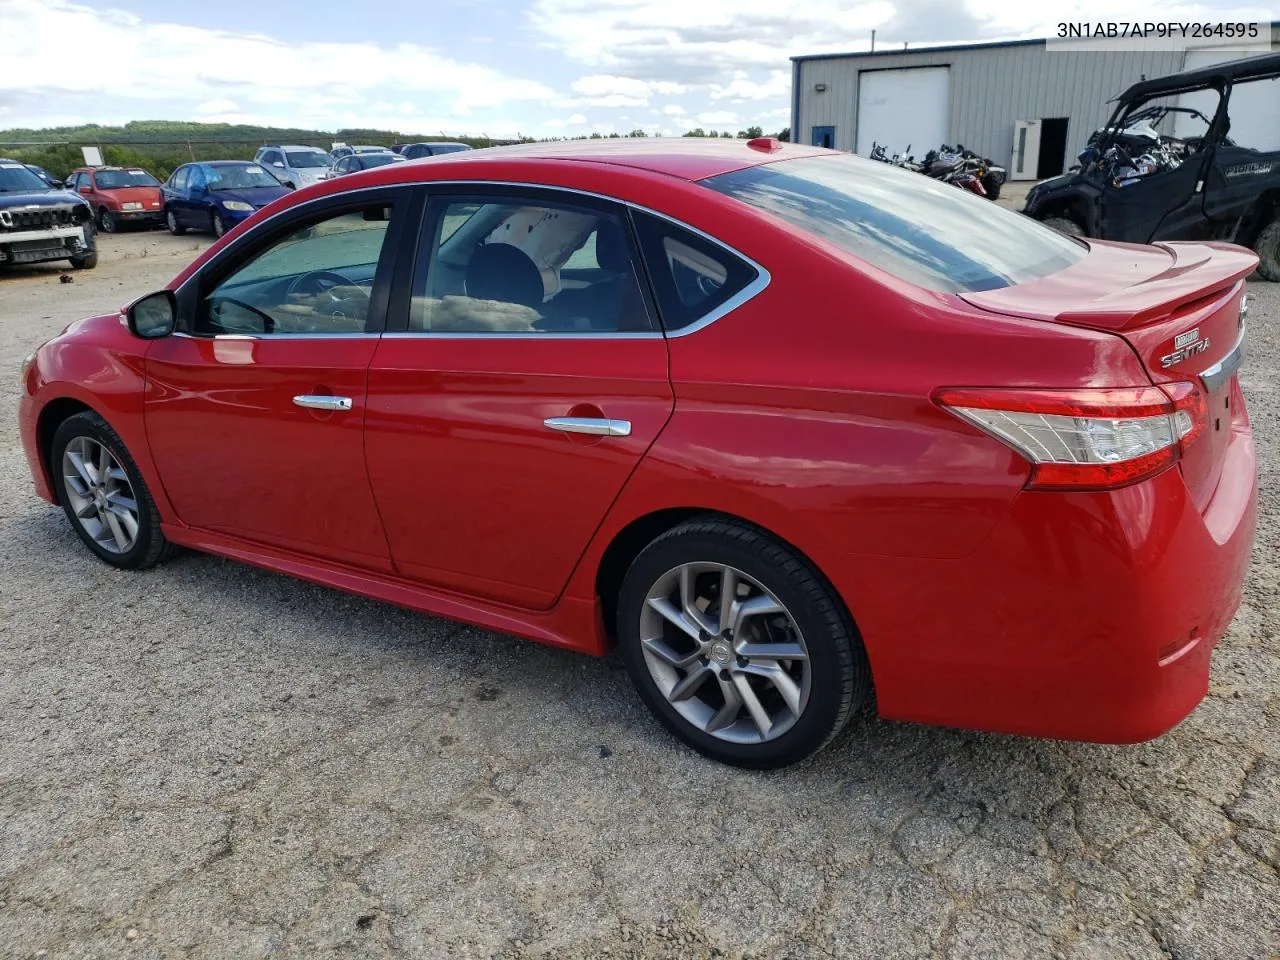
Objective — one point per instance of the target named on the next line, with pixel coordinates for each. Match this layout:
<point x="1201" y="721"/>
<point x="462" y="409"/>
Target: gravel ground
<point x="209" y="761"/>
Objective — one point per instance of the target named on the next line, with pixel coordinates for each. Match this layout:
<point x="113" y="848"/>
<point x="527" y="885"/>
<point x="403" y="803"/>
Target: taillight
<point x="1086" y="439"/>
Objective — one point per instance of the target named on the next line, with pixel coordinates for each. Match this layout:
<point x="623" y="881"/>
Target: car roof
<point x="1249" y="68"/>
<point x="687" y="158"/>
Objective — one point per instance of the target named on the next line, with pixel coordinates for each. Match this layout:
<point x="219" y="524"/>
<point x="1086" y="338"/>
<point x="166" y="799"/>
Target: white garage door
<point x="901" y="108"/>
<point x="1255" y="107"/>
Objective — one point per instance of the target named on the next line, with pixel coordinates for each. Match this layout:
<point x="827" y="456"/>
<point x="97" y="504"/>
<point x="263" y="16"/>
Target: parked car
<point x="52" y="182"/>
<point x="785" y="424"/>
<point x="294" y="166"/>
<point x="1141" y="185"/>
<point x="119" y="196"/>
<point x="355" y="162"/>
<point x="416" y="151"/>
<point x="39" y="223"/>
<point x="346" y="150"/>
<point x="217" y="195"/>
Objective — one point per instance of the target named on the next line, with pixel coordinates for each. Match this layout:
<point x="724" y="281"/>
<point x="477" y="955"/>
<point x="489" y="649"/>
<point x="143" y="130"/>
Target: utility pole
<point x="873" y="41"/>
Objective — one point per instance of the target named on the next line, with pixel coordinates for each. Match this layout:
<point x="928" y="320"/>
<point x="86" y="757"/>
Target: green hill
<point x="161" y="145"/>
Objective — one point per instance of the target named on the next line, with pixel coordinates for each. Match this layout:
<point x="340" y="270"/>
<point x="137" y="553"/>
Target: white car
<point x="293" y="164"/>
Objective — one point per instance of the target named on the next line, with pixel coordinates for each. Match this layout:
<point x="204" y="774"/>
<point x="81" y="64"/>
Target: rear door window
<point x="693" y="278"/>
<point x="929" y="233"/>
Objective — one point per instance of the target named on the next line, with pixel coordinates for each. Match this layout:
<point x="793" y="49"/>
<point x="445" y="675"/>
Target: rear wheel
<point x="1267" y="247"/>
<point x="107" y="220"/>
<point x="738" y="645"/>
<point x="171" y="221"/>
<point x="103" y="494"/>
<point x="86" y="261"/>
<point x="1064" y="225"/>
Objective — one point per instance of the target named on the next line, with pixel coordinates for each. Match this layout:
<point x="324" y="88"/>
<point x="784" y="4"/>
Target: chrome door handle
<point x="322" y="402"/>
<point x="597" y="427"/>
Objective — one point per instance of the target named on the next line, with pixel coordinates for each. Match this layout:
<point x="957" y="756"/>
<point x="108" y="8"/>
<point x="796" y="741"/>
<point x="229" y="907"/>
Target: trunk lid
<point x="1176" y="304"/>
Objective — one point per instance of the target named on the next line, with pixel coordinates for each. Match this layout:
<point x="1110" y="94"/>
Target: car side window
<point x="196" y="178"/>
<point x="316" y="280"/>
<point x="515" y="266"/>
<point x="272" y="156"/>
<point x="180" y="176"/>
<point x="691" y="275"/>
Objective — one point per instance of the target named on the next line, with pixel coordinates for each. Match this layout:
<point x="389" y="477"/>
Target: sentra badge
<point x="1185" y="345"/>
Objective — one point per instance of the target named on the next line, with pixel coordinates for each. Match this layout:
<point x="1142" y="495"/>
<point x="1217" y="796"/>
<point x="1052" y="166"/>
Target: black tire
<point x="150" y="546"/>
<point x="219" y="225"/>
<point x="1267" y="247"/>
<point x="840" y="675"/>
<point x="1064" y="225"/>
<point x="171" y="221"/>
<point x="86" y="262"/>
<point x="107" y="222"/>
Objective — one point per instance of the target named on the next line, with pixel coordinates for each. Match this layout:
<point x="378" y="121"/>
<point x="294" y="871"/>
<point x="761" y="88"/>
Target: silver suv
<point x="292" y="163"/>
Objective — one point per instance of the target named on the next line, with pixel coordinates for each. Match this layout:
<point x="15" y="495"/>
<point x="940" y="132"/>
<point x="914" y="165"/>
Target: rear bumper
<point x="1085" y="616"/>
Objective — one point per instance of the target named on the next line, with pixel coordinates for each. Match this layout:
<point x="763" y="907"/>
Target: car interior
<point x="507" y="268"/>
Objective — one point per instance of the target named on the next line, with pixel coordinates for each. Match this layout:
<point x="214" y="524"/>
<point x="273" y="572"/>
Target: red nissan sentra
<point x="785" y="425"/>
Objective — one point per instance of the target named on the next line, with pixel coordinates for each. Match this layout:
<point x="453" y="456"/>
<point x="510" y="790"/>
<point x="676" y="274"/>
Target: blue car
<point x="217" y="195"/>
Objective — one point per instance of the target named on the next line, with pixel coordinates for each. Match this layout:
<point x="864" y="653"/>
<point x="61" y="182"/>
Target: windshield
<point x="932" y="234"/>
<point x="247" y="177"/>
<point x="307" y="158"/>
<point x="116" y="179"/>
<point x="15" y="178"/>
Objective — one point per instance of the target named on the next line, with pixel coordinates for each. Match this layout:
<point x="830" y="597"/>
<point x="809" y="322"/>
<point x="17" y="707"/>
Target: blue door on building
<point x="824" y="137"/>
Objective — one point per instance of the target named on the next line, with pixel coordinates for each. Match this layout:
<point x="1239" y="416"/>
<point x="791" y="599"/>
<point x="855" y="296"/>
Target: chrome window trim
<point x="272" y="336"/>
<point x="749" y="292"/>
<point x="1217" y="375"/>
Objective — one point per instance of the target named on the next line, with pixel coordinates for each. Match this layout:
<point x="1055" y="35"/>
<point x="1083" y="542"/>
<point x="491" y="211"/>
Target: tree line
<point x="160" y="146"/>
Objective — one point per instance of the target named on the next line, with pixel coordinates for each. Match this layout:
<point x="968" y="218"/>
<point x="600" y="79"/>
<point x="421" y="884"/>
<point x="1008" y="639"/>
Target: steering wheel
<point x="321" y="283"/>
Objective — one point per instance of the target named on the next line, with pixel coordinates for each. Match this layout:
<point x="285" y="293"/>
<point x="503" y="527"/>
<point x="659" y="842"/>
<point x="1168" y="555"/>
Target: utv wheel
<point x="104" y="496"/>
<point x="738" y="645"/>
<point x="1267" y="247"/>
<point x="219" y="225"/>
<point x="86" y="262"/>
<point x="171" y="222"/>
<point x="107" y="220"/>
<point x="1064" y="225"/>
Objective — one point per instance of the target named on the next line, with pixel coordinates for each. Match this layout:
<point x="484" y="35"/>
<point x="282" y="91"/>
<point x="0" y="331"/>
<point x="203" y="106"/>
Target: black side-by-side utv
<point x="1138" y="185"/>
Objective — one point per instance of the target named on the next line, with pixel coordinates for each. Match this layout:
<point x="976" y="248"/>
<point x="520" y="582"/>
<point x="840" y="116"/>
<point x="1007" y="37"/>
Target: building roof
<point x="889" y="51"/>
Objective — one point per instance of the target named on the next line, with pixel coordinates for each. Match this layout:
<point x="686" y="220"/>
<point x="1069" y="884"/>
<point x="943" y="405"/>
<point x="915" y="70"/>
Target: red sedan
<point x="785" y="425"/>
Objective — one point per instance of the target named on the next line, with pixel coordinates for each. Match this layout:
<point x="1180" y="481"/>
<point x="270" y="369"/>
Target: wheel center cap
<point x="721" y="652"/>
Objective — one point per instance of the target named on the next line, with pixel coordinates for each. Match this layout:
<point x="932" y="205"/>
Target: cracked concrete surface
<point x="209" y="761"/>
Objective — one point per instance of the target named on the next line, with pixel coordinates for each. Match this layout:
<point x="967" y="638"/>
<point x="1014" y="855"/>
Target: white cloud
<point x="169" y="62"/>
<point x="717" y="116"/>
<point x="674" y="110"/>
<point x="740" y="89"/>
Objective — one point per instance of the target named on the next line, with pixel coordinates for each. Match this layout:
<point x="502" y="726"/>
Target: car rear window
<point x="932" y="234"/>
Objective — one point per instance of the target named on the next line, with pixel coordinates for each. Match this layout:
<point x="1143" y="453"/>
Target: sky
<point x="497" y="68"/>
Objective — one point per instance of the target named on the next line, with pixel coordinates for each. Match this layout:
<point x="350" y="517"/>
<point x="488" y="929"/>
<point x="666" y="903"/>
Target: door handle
<point x="322" y="402"/>
<point x="594" y="426"/>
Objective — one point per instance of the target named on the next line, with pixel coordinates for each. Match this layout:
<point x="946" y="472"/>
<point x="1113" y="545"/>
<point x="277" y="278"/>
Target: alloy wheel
<point x="725" y="652"/>
<point x="100" y="495"/>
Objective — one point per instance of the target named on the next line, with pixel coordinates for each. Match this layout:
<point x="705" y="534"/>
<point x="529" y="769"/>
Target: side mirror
<point x="290" y="184"/>
<point x="154" y="316"/>
<point x="277" y="163"/>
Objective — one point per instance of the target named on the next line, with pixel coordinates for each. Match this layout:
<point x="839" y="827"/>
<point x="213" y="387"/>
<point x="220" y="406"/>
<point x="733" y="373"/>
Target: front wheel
<point x="103" y="494"/>
<point x="1267" y="247"/>
<point x="107" y="221"/>
<point x="738" y="645"/>
<point x="86" y="261"/>
<point x="219" y="225"/>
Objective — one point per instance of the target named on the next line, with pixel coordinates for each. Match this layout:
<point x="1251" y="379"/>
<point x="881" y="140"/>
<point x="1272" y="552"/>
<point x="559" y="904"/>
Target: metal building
<point x="1016" y="102"/>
